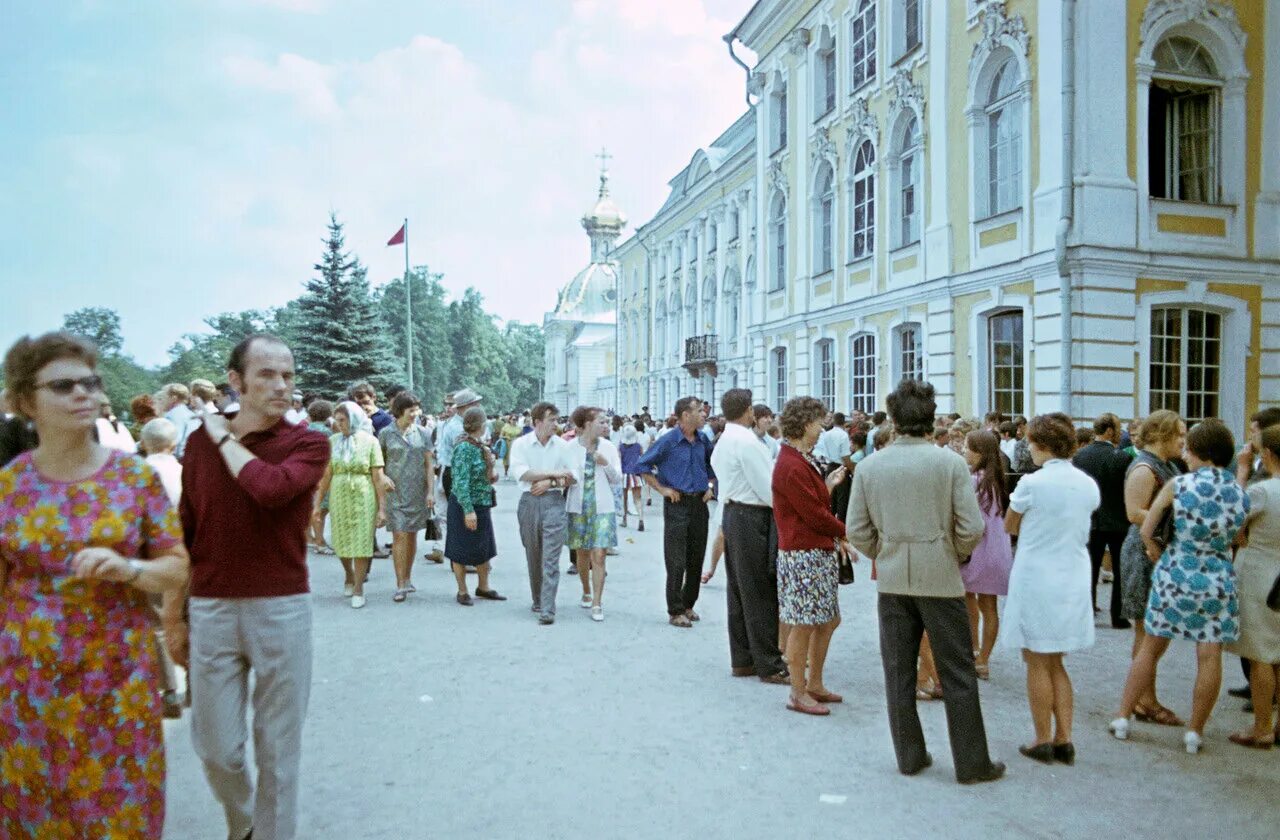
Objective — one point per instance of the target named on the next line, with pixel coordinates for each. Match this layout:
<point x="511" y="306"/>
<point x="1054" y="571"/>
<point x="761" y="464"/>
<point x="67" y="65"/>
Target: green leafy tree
<point x="98" y="324"/>
<point x="432" y="356"/>
<point x="122" y="377"/>
<point x="479" y="353"/>
<point x="205" y="355"/>
<point x="341" y="337"/>
<point x="525" y="347"/>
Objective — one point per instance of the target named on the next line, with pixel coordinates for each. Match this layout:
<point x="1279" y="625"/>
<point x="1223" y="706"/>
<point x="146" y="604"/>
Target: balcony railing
<point x="701" y="351"/>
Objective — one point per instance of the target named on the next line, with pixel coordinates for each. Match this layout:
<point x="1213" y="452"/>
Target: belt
<point x="732" y="503"/>
<point x="557" y="490"/>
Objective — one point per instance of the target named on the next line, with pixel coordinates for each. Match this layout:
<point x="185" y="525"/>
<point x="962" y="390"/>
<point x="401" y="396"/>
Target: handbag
<point x="846" y="570"/>
<point x="432" y="532"/>
<point x="1273" y="599"/>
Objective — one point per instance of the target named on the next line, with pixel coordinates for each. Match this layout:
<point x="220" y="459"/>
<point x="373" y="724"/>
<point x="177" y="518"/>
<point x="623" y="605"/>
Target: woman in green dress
<point x="468" y="536"/>
<point x="591" y="505"/>
<point x="357" y="496"/>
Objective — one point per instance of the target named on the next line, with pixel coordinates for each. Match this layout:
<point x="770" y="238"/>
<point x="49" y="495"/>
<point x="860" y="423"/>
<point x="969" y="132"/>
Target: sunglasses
<point x="63" y="387"/>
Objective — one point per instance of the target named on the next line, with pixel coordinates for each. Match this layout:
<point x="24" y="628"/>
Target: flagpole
<point x="408" y="306"/>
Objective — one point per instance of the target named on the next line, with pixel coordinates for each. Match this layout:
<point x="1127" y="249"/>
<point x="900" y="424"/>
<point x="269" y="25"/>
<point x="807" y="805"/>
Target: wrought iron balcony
<point x="701" y="352"/>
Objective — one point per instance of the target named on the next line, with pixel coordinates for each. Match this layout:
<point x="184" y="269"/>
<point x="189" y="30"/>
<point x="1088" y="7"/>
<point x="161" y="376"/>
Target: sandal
<point x="679" y="621"/>
<point x="1160" y="715"/>
<point x="490" y="595"/>
<point x="1248" y="739"/>
<point x="817" y="709"/>
<point x="923" y="694"/>
<point x="983" y="671"/>
<point x="825" y="696"/>
<point x="400" y="595"/>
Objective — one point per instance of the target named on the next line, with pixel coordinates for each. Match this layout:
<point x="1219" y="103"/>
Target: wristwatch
<point x="230" y="435"/>
<point x="135" y="569"/>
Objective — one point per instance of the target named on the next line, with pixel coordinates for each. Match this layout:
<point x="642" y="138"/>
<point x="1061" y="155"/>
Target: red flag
<point x="398" y="239"/>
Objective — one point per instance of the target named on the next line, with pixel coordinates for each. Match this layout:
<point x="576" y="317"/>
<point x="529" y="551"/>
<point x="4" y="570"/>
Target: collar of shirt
<point x="743" y="468"/>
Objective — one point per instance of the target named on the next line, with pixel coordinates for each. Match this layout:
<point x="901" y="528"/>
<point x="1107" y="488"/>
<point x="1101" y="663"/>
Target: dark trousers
<point x="1100" y="541"/>
<point x="903" y="620"/>
<point x="751" y="568"/>
<point x="684" y="542"/>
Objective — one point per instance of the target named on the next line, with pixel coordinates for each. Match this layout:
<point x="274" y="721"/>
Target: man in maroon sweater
<point x="247" y="486"/>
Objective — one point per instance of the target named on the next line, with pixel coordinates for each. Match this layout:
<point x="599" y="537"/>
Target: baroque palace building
<point x="1039" y="205"/>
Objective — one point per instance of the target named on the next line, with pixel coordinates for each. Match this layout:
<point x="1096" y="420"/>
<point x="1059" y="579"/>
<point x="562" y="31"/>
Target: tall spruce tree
<point x="341" y="338"/>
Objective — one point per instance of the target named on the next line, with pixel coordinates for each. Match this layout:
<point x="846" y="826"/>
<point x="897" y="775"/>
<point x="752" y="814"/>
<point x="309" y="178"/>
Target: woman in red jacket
<point x="809" y="539"/>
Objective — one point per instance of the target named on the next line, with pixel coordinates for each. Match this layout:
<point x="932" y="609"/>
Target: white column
<point x="1266" y="224"/>
<point x="1047" y="198"/>
<point x="937" y="235"/>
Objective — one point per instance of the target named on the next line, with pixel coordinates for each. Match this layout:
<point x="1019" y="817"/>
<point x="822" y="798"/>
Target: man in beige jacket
<point x="914" y="511"/>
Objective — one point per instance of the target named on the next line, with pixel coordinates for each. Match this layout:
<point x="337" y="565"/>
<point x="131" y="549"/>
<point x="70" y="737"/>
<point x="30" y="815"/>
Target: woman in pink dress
<point x="986" y="574"/>
<point x="86" y="532"/>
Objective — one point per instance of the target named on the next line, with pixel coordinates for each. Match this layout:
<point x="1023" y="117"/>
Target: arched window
<point x="673" y="325"/>
<point x="660" y="327"/>
<point x="824" y="214"/>
<point x="824" y="355"/>
<point x="779" y="378"/>
<point x="709" y="306"/>
<point x="1183" y="121"/>
<point x="862" y="370"/>
<point x="731" y="297"/>
<point x="777" y="243"/>
<point x="908" y="174"/>
<point x="691" y="311"/>
<point x="1004" y="141"/>
<point x="824" y="75"/>
<point x="862" y="44"/>
<point x="863" y="196"/>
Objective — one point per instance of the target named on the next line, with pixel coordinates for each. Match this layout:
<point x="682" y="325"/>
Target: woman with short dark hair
<point x="1193" y="586"/>
<point x="410" y="481"/>
<point x="1049" y="611"/>
<point x="810" y="538"/>
<point x="89" y="532"/>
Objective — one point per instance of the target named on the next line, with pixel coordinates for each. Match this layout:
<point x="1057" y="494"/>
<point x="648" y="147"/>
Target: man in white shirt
<point x="834" y="445"/>
<point x="112" y="433"/>
<point x="744" y="470"/>
<point x="296" y="413"/>
<point x="541" y="465"/>
<point x="177" y="412"/>
<point x="763" y="420"/>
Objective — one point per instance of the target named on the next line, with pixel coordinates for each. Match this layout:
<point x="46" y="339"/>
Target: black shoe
<point x="1042" y="753"/>
<point x="924" y="765"/>
<point x="546" y="619"/>
<point x="1120" y="624"/>
<point x="1064" y="753"/>
<point x="992" y="773"/>
<point x="1244" y="692"/>
<point x="465" y="599"/>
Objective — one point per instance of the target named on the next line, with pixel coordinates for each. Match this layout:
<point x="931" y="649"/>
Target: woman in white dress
<point x="1049" y="611"/>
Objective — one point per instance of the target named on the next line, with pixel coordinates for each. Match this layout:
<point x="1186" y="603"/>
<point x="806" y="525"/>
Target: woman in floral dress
<point x="357" y="496"/>
<point x="1193" y="587"/>
<point x="85" y="533"/>
<point x="593" y="523"/>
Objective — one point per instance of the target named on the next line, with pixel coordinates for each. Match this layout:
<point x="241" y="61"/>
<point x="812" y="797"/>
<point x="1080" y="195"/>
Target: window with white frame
<point x="673" y="325"/>
<point x="660" y="327"/>
<point x="778" y="118"/>
<point x="709" y="306"/>
<point x="908" y="174"/>
<point x="824" y="100"/>
<point x="1185" y="361"/>
<point x="731" y="314"/>
<point x="910" y="353"/>
<point x="779" y="378"/>
<point x="863" y="199"/>
<point x="777" y="243"/>
<point x="862" y="45"/>
<point x="825" y="366"/>
<point x="862" y="373"/>
<point x="1003" y="125"/>
<point x="691" y="312"/>
<point x="1183" y="123"/>
<point x="1005" y="373"/>
<point x="824" y="214"/>
<point x="908" y="26"/>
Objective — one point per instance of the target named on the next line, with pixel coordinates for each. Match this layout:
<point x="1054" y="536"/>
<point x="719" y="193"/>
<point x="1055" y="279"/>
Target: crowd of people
<point x="182" y="540"/>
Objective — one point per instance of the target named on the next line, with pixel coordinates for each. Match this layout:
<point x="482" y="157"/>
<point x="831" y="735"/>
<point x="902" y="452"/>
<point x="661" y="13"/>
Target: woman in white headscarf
<point x="357" y="495"/>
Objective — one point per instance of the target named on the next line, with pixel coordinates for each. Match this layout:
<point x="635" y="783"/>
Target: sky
<point x="172" y="159"/>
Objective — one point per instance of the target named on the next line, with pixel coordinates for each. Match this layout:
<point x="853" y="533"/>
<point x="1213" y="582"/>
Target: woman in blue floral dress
<point x="593" y="522"/>
<point x="1193" y="587"/>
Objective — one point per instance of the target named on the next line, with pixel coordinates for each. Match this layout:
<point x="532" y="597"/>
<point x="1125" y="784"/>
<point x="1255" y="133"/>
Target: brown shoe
<point x="825" y="696"/>
<point x="780" y="678"/>
<point x="692" y="616"/>
<point x="748" y="671"/>
<point x="679" y="621"/>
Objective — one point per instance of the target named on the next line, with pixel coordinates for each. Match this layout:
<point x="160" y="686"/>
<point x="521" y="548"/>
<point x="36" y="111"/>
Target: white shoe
<point x="409" y="587"/>
<point x="585" y="603"/>
<point x="357" y="601"/>
<point x="348" y="590"/>
<point x="597" y="613"/>
<point x="1120" y="728"/>
<point x="1192" y="741"/>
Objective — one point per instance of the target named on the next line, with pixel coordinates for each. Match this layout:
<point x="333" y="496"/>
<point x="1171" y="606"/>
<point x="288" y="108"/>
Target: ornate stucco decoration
<point x="862" y="125"/>
<point x="906" y="95"/>
<point x="777" y="178"/>
<point x="821" y="148"/>
<point x="1217" y="15"/>
<point x="797" y="40"/>
<point x="1000" y="30"/>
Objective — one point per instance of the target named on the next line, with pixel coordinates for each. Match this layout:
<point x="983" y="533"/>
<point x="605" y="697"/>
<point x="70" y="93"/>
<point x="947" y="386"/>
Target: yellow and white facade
<point x="1038" y="205"/>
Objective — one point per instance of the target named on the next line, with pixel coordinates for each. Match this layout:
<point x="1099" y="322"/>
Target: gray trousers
<point x="543" y="530"/>
<point x="903" y="620"/>
<point x="271" y="637"/>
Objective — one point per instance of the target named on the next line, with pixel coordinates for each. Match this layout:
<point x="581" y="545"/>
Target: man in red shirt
<point x="247" y="487"/>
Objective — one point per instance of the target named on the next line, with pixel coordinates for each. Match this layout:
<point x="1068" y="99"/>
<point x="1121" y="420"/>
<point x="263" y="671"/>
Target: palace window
<point x="1185" y="362"/>
<point x="824" y="100"/>
<point x="1004" y="141"/>
<point x="1183" y="123"/>
<point x="825" y="364"/>
<point x="709" y="306"/>
<point x="908" y="26"/>
<point x="778" y="243"/>
<point x="864" y="201"/>
<point x="1005" y="372"/>
<point x="779" y="378"/>
<point x="862" y="370"/>
<point x="908" y="171"/>
<point x="824" y="203"/>
<point x="910" y="353"/>
<point x="862" y="44"/>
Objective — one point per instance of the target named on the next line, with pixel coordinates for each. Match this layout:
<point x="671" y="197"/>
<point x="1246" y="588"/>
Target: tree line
<point x="342" y="331"/>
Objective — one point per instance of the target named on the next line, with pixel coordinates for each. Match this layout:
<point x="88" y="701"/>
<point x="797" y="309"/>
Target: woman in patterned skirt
<point x="1193" y="588"/>
<point x="86" y="533"/>
<point x="593" y="526"/>
<point x="1161" y="437"/>
<point x="810" y="538"/>
<point x="357" y="496"/>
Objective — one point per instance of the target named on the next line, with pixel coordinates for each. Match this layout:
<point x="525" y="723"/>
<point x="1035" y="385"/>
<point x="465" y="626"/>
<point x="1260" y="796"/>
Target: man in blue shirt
<point x="680" y="470"/>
